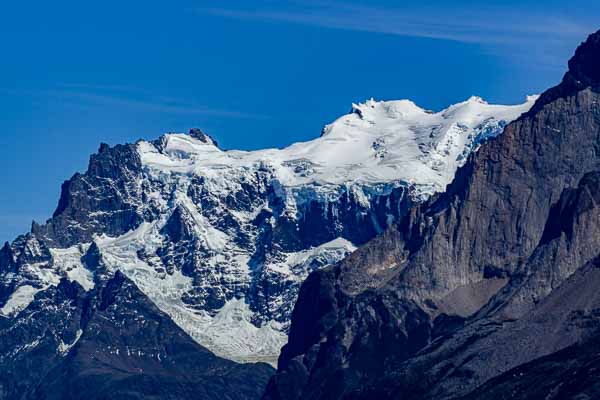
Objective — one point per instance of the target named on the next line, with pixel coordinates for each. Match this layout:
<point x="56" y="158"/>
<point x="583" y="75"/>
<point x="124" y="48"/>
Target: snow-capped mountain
<point x="221" y="240"/>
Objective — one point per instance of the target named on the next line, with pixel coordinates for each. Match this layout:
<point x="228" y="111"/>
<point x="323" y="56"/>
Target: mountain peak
<point x="396" y="109"/>
<point x="197" y="133"/>
<point x="584" y="66"/>
<point x="584" y="72"/>
<point x="476" y="99"/>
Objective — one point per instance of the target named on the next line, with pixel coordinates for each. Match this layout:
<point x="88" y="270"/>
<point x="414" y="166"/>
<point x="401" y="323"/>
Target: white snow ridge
<point x="378" y="142"/>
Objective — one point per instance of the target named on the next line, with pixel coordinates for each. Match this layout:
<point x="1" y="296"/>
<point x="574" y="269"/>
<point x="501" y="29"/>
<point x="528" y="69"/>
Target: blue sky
<point x="253" y="74"/>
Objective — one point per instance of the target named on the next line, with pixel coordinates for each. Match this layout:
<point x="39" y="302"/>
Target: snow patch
<point x="63" y="349"/>
<point x="328" y="253"/>
<point x="68" y="262"/>
<point x="231" y="334"/>
<point x="19" y="300"/>
<point x="213" y="238"/>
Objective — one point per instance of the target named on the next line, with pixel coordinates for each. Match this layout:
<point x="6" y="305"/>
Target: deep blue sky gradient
<point x="252" y="74"/>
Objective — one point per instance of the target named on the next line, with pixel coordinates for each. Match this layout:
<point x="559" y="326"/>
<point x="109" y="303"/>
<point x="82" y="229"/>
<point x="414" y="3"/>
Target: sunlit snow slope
<point x="378" y="142"/>
<point x="221" y="240"/>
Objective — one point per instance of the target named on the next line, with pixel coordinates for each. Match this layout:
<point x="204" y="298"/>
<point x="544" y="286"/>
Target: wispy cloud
<point x="483" y="25"/>
<point x="491" y="27"/>
<point x="84" y="94"/>
<point x="153" y="104"/>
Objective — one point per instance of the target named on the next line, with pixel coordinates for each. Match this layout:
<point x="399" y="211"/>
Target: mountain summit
<point x="197" y="133"/>
<point x="583" y="67"/>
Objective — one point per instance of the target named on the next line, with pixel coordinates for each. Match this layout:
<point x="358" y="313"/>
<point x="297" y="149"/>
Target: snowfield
<point x="378" y="142"/>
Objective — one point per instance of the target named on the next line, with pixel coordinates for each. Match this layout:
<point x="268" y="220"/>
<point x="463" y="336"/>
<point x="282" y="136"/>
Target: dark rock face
<point x="381" y="325"/>
<point x="106" y="199"/>
<point x="477" y="275"/>
<point x="584" y="65"/>
<point x="582" y="73"/>
<point x="112" y="342"/>
<point x="203" y="137"/>
<point x="572" y="373"/>
<point x="7" y="259"/>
